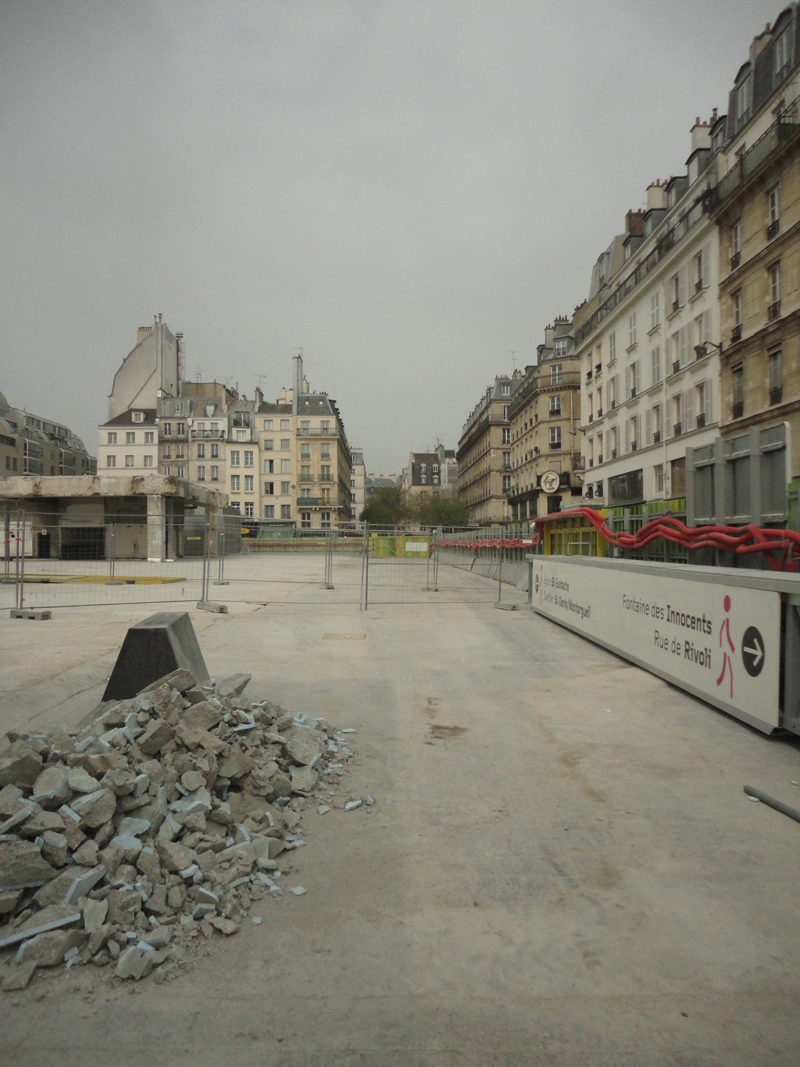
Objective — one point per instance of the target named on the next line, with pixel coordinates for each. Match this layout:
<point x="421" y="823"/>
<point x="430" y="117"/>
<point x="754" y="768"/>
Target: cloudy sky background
<point x="406" y="190"/>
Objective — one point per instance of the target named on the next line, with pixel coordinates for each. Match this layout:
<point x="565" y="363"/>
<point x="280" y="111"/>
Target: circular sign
<point x="753" y="651"/>
<point x="550" y="481"/>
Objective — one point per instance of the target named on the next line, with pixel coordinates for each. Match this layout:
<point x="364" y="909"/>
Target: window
<point x="149" y="437"/>
<point x="632" y="330"/>
<point x="555" y="405"/>
<point x="235" y="458"/>
<point x="236" y="483"/>
<point x="201" y="451"/>
<point x="677" y="415"/>
<point x="736" y="244"/>
<point x="505" y="411"/>
<point x="700" y="270"/>
<point x="325" y="472"/>
<point x="655" y="365"/>
<point x="658" y="472"/>
<point x="248" y="483"/>
<point x="248" y="459"/>
<point x="773" y="212"/>
<point x="111" y="461"/>
<point x="180" y="472"/>
<point x="702" y="404"/>
<point x="269" y="489"/>
<point x="632" y="379"/>
<point x="112" y="439"/>
<point x="305" y="472"/>
<point x="286" y="424"/>
<point x="286" y="466"/>
<point x="138" y="416"/>
<point x="774" y="274"/>
<point x="632" y="434"/>
<point x="555" y="437"/>
<point x="781" y="57"/>
<point x="305" y="425"/>
<point x="744" y="100"/>
<point x="214" y="451"/>
<point x="655" y="424"/>
<point x="201" y="473"/>
<point x="325" y="520"/>
<point x="130" y="438"/>
<point x="285" y="488"/>
<point x="506" y="435"/>
<point x="305" y="519"/>
<point x="655" y="310"/>
<point x="267" y="424"/>
<point x="702" y="328"/>
<point x="736" y="309"/>
<point x="166" y="429"/>
<point x="325" y="451"/>
<point x="325" y="426"/>
<point x="130" y="461"/>
<point x="775" y="376"/>
<point x="561" y="348"/>
<point x="286" y="444"/>
<point x="556" y="375"/>
<point x="677" y="290"/>
<point x="305" y="451"/>
<point x="612" y="347"/>
<point x="148" y="461"/>
<point x="305" y="494"/>
<point x="181" y="429"/>
<point x="505" y="390"/>
<point x="506" y="461"/>
<point x="236" y="505"/>
<point x="506" y="483"/>
<point x="269" y="511"/>
<point x="167" y="471"/>
<point x="249" y="508"/>
<point x="180" y="451"/>
<point x="613" y="442"/>
<point x="241" y="435"/>
<point x="215" y="474"/>
<point x="737" y="375"/>
<point x="269" y="466"/>
<point x="269" y="444"/>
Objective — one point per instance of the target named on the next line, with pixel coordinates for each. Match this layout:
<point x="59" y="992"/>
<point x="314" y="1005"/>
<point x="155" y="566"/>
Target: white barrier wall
<point x="713" y="631"/>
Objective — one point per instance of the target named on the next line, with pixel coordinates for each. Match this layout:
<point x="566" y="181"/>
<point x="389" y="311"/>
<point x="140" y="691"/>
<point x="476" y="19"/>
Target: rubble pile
<point x="155" y="822"/>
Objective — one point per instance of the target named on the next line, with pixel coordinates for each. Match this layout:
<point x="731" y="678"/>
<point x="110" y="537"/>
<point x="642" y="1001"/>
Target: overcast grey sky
<point x="404" y="189"/>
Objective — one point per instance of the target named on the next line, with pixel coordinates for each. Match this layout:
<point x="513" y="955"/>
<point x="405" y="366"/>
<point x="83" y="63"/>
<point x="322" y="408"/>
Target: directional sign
<point x="753" y="651"/>
<point x="550" y="481"/>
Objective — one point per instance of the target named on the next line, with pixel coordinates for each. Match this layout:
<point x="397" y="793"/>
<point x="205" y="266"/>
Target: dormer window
<point x="138" y="416"/>
<point x="744" y="99"/>
<point x="505" y="390"/>
<point x="781" y="57"/>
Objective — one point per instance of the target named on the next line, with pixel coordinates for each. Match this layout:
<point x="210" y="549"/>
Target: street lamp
<point x="701" y="350"/>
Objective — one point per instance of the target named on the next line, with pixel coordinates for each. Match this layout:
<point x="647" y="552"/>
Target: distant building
<point x="151" y="369"/>
<point x="38" y="447"/>
<point x="423" y="475"/>
<point x="545" y="421"/>
<point x="448" y="467"/>
<point x="358" y="483"/>
<point x="484" y="454"/>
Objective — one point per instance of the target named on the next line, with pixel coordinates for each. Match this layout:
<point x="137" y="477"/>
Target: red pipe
<point x="741" y="540"/>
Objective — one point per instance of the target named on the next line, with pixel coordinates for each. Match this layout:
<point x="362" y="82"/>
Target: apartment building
<point x="756" y="204"/>
<point x="545" y="418"/>
<point x="648" y="341"/>
<point x="323" y="462"/>
<point x="484" y="454"/>
<point x="35" y="446"/>
<point x="423" y="475"/>
<point x="358" y="483"/>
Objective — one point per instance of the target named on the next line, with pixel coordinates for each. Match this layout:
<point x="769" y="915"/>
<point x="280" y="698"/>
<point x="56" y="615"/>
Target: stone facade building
<point x="484" y="454"/>
<point x="38" y="447"/>
<point x="545" y="417"/>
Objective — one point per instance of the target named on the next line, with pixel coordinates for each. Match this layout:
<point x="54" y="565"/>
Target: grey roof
<point x="126" y="418"/>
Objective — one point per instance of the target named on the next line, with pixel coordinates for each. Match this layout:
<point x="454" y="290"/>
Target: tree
<point x="388" y="507"/>
<point x="442" y="509"/>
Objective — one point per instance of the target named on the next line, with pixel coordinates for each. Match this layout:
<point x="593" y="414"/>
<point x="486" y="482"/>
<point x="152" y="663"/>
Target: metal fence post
<point x="112" y="554"/>
<point x="365" y="569"/>
<point x="500" y="570"/>
<point x="21" y="558"/>
<point x="328" y="580"/>
<point x="220" y="550"/>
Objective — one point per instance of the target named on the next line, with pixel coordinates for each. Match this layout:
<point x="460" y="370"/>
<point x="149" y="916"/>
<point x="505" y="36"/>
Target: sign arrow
<point x="757" y="653"/>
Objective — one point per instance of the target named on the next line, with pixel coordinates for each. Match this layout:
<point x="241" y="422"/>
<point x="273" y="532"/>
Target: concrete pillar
<point x="156" y="527"/>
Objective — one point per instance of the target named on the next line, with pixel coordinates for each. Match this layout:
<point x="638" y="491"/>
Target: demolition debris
<point x="157" y="822"/>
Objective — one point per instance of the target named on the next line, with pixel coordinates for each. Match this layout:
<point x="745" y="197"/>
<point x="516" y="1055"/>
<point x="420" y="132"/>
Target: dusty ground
<point x="555" y="885"/>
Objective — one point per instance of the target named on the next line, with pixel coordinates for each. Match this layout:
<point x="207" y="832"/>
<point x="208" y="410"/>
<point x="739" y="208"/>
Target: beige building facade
<point x="39" y="447"/>
<point x="484" y="454"/>
<point x="545" y="419"/>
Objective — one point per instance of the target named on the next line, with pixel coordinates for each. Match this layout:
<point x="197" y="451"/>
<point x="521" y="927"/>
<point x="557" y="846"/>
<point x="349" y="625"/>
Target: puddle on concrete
<point x="446" y="733"/>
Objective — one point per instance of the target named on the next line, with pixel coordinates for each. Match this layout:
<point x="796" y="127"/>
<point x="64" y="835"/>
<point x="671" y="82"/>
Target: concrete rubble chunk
<point x="157" y="734"/>
<point x="173" y="856"/>
<point x="51" y="918"/>
<point x="132" y="825"/>
<point x="86" y="854"/>
<point x="351" y="805"/>
<point x="134" y="963"/>
<point x="94" y="914"/>
<point x="80" y="781"/>
<point x="303" y="779"/>
<point x="235" y="765"/>
<point x="233" y="686"/>
<point x="40" y="822"/>
<point x="84" y="883"/>
<point x="47" y="950"/>
<point x="95" y="808"/>
<point x="203" y="716"/>
<point x="54" y="848"/>
<point x="10" y="796"/>
<point x="22" y="865"/>
<point x="306" y="750"/>
<point x="225" y="926"/>
<point x="19" y="977"/>
<point x="20" y="765"/>
<point x="51" y="789"/>
<point x="120" y="780"/>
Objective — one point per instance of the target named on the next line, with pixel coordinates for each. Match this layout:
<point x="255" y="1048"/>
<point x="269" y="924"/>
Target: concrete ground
<point x="540" y="882"/>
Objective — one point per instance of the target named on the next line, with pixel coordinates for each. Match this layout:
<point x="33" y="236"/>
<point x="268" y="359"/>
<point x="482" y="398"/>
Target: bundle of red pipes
<point x="782" y="547"/>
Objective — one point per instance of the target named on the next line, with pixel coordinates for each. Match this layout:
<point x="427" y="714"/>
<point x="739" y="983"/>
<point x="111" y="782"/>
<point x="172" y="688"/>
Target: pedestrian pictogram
<point x="753" y="651"/>
<point x="727" y="663"/>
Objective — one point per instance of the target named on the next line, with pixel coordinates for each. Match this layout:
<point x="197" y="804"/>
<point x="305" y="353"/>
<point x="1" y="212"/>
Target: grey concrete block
<point x="37" y="614"/>
<point x="155" y="647"/>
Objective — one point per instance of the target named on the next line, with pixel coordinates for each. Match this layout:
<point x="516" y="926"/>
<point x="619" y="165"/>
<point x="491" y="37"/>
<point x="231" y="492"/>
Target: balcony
<point x="588" y="376"/>
<point x="613" y="404"/>
<point x="701" y="420"/>
<point x="698" y="286"/>
<point x="206" y="435"/>
<point x="633" y="392"/>
<point x="598" y="369"/>
<point x="332" y="431"/>
<point x="600" y="459"/>
<point x="677" y="429"/>
<point x="306" y="478"/>
<point x="304" y="502"/>
<point x="736" y="259"/>
<point x="657" y="437"/>
<point x="579" y="462"/>
<point x="613" y="453"/>
<point x="738" y="409"/>
<point x="634" y="446"/>
<point x="555" y="446"/>
<point x="775" y="395"/>
<point x="676" y="305"/>
<point x="555" y="413"/>
<point x="773" y="229"/>
<point x="736" y="333"/>
<point x="166" y="434"/>
<point x="676" y="366"/>
<point x="774" y="311"/>
<point x="599" y="413"/>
